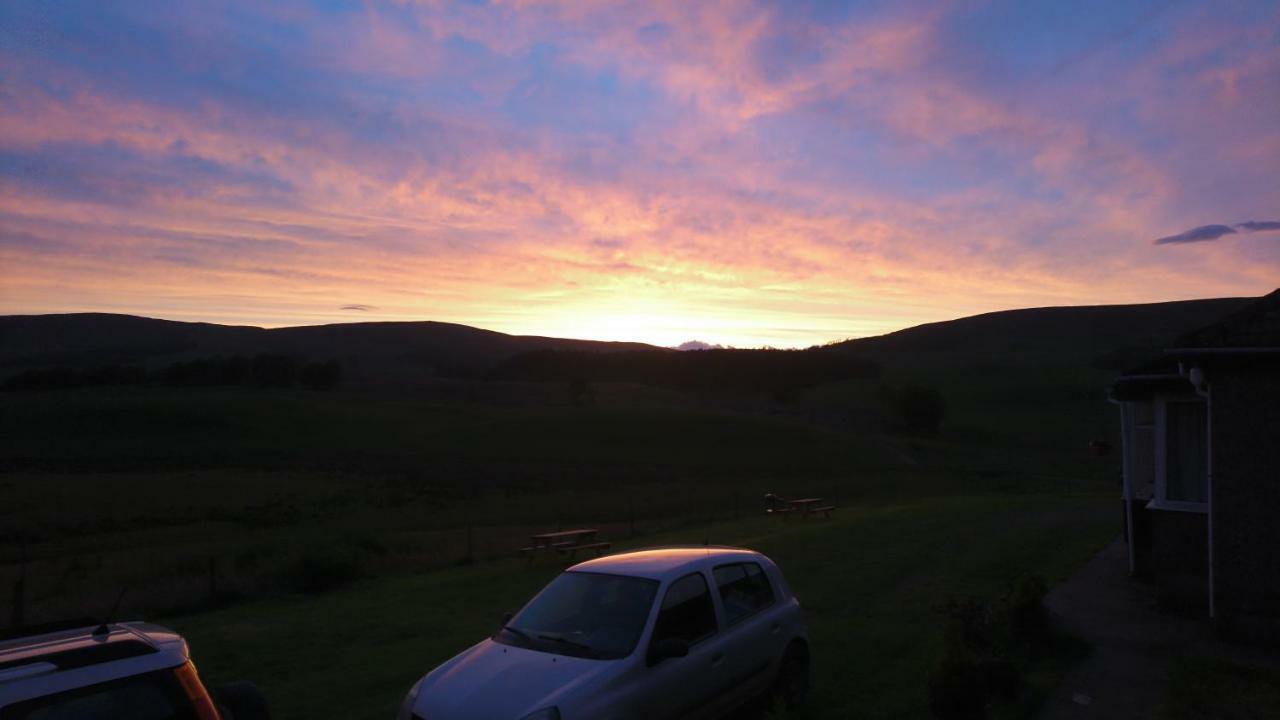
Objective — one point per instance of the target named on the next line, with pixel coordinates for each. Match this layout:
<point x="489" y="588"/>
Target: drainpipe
<point x="1126" y="493"/>
<point x="1204" y="390"/>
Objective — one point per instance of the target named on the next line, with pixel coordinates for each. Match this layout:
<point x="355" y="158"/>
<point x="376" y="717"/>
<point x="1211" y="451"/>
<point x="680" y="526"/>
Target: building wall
<point x="1246" y="499"/>
<point x="1177" y="557"/>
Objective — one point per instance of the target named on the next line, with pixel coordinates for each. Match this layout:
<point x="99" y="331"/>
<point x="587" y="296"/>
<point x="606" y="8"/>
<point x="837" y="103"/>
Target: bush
<point x="321" y="375"/>
<point x="969" y="626"/>
<point x="1000" y="677"/>
<point x="912" y="409"/>
<point x="322" y="566"/>
<point x="982" y="640"/>
<point x="956" y="690"/>
<point x="1027" y="618"/>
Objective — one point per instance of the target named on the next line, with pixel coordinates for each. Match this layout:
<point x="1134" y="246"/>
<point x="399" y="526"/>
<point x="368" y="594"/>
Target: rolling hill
<point x="385" y="348"/>
<point x="1104" y="336"/>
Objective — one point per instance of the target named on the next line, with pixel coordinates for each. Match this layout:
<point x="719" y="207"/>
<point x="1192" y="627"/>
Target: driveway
<point x="1133" y="643"/>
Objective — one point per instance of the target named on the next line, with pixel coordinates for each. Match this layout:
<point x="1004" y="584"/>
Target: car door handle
<point x="774" y="628"/>
<point x="717" y="659"/>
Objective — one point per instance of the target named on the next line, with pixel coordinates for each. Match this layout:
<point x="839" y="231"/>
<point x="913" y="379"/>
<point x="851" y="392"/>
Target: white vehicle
<point x="113" y="671"/>
<point x="666" y="633"/>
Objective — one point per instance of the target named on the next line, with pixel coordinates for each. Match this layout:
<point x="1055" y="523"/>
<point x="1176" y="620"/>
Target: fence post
<point x="466" y="517"/>
<point x="213" y="580"/>
<point x="17" y="617"/>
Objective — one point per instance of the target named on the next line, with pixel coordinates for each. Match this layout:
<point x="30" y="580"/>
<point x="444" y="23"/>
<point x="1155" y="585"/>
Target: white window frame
<point x="1161" y="500"/>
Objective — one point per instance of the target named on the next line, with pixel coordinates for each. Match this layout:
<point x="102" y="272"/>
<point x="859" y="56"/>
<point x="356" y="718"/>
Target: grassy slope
<point x="869" y="580"/>
<point x="1210" y="689"/>
<point x="149" y="427"/>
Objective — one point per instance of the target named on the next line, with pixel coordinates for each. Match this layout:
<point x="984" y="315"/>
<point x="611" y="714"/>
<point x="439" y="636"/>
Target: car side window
<point x="744" y="590"/>
<point x="687" y="613"/>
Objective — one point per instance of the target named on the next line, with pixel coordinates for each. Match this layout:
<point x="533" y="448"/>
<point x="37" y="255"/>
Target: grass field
<point x="144" y="488"/>
<point x="870" y="580"/>
<point x="214" y="509"/>
<point x="1211" y="689"/>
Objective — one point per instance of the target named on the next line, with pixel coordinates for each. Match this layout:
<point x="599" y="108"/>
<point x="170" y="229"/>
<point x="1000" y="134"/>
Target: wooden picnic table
<point x="810" y="506"/>
<point x="565" y="542"/>
<point x="543" y="541"/>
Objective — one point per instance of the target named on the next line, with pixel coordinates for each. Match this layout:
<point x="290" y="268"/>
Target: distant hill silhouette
<point x="393" y="352"/>
<point x="1109" y="336"/>
<point x="385" y="348"/>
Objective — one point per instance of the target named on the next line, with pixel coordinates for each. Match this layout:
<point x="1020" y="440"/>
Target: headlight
<point x="406" y="707"/>
<point x="551" y="713"/>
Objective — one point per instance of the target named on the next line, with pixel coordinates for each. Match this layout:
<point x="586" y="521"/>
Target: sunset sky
<point x="744" y="173"/>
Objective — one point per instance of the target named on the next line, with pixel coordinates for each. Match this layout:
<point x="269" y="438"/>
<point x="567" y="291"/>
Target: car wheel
<point x="791" y="688"/>
<point x="241" y="701"/>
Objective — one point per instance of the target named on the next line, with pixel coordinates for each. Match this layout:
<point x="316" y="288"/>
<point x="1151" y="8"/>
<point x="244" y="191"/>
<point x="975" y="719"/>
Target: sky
<point x="742" y="173"/>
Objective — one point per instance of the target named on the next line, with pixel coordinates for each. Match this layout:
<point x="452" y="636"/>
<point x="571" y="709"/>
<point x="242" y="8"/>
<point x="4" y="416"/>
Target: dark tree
<point x="912" y="409"/>
<point x="321" y="375"/>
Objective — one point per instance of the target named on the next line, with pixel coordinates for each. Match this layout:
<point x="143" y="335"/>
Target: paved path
<point x="1133" y="642"/>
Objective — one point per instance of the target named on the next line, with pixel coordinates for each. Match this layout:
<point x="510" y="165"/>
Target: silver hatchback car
<point x="691" y="632"/>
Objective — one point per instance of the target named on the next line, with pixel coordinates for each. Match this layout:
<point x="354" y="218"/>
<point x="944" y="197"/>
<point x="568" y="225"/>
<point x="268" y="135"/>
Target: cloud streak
<point x="1205" y="233"/>
<point x="1259" y="225"/>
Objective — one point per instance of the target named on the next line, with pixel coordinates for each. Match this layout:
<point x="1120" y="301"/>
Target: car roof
<point x="666" y="562"/>
<point x="57" y="661"/>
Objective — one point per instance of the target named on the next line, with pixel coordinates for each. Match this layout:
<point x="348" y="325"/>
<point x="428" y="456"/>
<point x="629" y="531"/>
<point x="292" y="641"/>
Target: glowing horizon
<point x="740" y="173"/>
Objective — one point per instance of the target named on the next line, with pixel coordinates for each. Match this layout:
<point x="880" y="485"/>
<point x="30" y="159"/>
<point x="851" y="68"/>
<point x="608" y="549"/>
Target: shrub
<point x="1028" y="620"/>
<point x="321" y="375"/>
<point x="956" y="690"/>
<point x="913" y="409"/>
<point x="321" y="566"/>
<point x="1000" y="677"/>
<point x="969" y="625"/>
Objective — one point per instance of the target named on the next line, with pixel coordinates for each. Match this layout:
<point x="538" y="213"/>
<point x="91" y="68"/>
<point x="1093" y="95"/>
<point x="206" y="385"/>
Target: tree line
<point x="700" y="370"/>
<point x="261" y="370"/>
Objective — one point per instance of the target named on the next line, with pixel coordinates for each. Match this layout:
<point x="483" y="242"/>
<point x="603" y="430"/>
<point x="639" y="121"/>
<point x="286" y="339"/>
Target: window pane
<point x="1186" y="456"/>
<point x="744" y="589"/>
<point x="153" y="696"/>
<point x="687" y="612"/>
<point x="1144" y="414"/>
<point x="1144" y="462"/>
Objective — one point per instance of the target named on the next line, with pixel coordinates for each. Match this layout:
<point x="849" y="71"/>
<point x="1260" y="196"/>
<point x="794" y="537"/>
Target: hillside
<point x="389" y="353"/>
<point x="1105" y="336"/>
<point x="89" y="339"/>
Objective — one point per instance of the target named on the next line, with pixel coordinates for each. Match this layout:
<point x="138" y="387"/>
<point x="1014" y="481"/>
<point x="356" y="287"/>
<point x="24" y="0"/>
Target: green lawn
<point x="142" y="488"/>
<point x="1208" y="689"/>
<point x="870" y="580"/>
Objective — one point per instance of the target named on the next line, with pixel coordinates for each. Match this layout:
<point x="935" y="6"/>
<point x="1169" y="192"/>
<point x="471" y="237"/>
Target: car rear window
<point x="744" y="590"/>
<point x="150" y="696"/>
<point x="687" y="612"/>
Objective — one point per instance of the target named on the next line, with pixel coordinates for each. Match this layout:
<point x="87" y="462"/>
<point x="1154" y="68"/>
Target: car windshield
<point x="585" y="615"/>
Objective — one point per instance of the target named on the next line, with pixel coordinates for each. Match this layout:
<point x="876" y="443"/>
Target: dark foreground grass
<point x="870" y="580"/>
<point x="1205" y="688"/>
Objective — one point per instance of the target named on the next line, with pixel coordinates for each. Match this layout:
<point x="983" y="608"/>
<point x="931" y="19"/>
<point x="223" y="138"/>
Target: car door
<point x="751" y="627"/>
<point x="685" y="687"/>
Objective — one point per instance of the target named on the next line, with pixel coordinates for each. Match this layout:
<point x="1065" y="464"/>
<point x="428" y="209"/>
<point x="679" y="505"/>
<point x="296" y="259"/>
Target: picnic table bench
<point x="804" y="507"/>
<point x="565" y="542"/>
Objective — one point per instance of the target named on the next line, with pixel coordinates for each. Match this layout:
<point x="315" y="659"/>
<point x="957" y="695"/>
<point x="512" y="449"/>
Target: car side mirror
<point x="667" y="648"/>
<point x="241" y="701"/>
